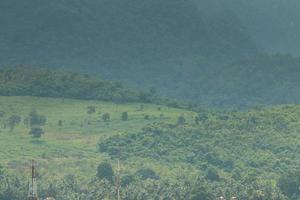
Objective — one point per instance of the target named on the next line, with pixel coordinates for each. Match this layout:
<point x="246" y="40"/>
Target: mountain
<point x="106" y="34"/>
<point x="194" y="50"/>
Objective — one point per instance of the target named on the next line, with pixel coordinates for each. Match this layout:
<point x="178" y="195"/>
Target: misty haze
<point x="149" y="99"/>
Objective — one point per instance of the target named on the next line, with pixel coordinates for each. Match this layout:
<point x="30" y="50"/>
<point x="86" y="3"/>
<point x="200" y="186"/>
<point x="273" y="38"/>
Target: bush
<point x="124" y="116"/>
<point x="36" y="132"/>
<point x="13" y="121"/>
<point x="1" y="171"/>
<point x="106" y="117"/>
<point x="91" y="109"/>
<point x="105" y="171"/>
<point x="146" y="174"/>
<point x="212" y="174"/>
<point x="181" y="120"/>
<point x="126" y="180"/>
<point x="36" y="119"/>
<point x="289" y="184"/>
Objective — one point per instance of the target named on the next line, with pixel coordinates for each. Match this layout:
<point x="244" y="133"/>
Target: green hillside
<point x="79" y="133"/>
<point x="252" y="155"/>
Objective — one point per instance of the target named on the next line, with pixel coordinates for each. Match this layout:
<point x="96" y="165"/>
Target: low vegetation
<point x="171" y="153"/>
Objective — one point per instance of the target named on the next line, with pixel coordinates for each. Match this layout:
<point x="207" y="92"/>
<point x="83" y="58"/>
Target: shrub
<point x="105" y="171"/>
<point x="36" y="119"/>
<point x="106" y="117"/>
<point x="36" y="132"/>
<point x="181" y="120"/>
<point x="91" y="109"/>
<point x="146" y="174"/>
<point x="13" y="121"/>
<point x="124" y="116"/>
<point x="212" y="174"/>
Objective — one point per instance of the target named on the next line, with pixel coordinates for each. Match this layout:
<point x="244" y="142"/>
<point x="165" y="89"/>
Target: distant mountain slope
<point x="261" y="80"/>
<point x="115" y="33"/>
<point x="49" y="83"/>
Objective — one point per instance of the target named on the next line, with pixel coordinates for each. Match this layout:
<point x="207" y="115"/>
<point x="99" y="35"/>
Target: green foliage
<point x="124" y="116"/>
<point x="106" y="117"/>
<point x="1" y="171"/>
<point x="181" y="120"/>
<point x="49" y="83"/>
<point x="36" y="120"/>
<point x="248" y="151"/>
<point x="36" y="132"/>
<point x="91" y="109"/>
<point x="127" y="180"/>
<point x="2" y="114"/>
<point x="289" y="183"/>
<point x="105" y="171"/>
<point x="146" y="174"/>
<point x="13" y="121"/>
<point x="212" y="174"/>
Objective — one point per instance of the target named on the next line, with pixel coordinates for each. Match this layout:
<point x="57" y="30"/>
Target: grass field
<point x="72" y="147"/>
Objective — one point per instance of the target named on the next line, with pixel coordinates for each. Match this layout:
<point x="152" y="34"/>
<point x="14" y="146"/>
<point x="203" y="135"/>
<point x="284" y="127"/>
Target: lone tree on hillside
<point x="181" y="120"/>
<point x="36" y="132"/>
<point x="106" y="117"/>
<point x="124" y="116"/>
<point x="91" y="109"/>
<point x="13" y="121"/>
<point x="36" y="119"/>
<point x="36" y="122"/>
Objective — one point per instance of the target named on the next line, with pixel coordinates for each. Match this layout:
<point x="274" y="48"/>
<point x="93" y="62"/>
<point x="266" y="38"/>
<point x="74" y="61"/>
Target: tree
<point x="105" y="171"/>
<point x="91" y="109"/>
<point x="147" y="174"/>
<point x="13" y="121"/>
<point x="212" y="174"/>
<point x="201" y="194"/>
<point x="142" y="107"/>
<point x="36" y="122"/>
<point x="106" y="117"/>
<point x="181" y="120"/>
<point x="124" y="116"/>
<point x="36" y="132"/>
<point x="126" y="180"/>
<point x="1" y="171"/>
<point x="289" y="184"/>
<point x="36" y="119"/>
<point x="2" y="114"/>
<point x="197" y="120"/>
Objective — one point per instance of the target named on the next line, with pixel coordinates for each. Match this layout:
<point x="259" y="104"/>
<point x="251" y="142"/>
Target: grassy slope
<point x="72" y="148"/>
<point x="261" y="141"/>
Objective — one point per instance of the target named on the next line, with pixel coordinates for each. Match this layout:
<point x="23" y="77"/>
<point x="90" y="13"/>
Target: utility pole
<point x="118" y="181"/>
<point x="32" y="192"/>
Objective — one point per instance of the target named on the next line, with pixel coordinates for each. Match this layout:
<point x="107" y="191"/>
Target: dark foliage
<point x="105" y="171"/>
<point x="36" y="132"/>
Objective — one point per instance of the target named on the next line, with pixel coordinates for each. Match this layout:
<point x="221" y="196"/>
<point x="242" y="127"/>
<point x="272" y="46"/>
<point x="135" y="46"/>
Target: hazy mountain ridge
<point x="101" y="33"/>
<point x="179" y="47"/>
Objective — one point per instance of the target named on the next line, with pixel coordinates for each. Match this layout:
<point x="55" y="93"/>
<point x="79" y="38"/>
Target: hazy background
<point x="214" y="52"/>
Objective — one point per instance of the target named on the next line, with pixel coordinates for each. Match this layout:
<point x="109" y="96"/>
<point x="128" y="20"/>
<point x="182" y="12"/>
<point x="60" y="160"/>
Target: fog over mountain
<point x="182" y="48"/>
